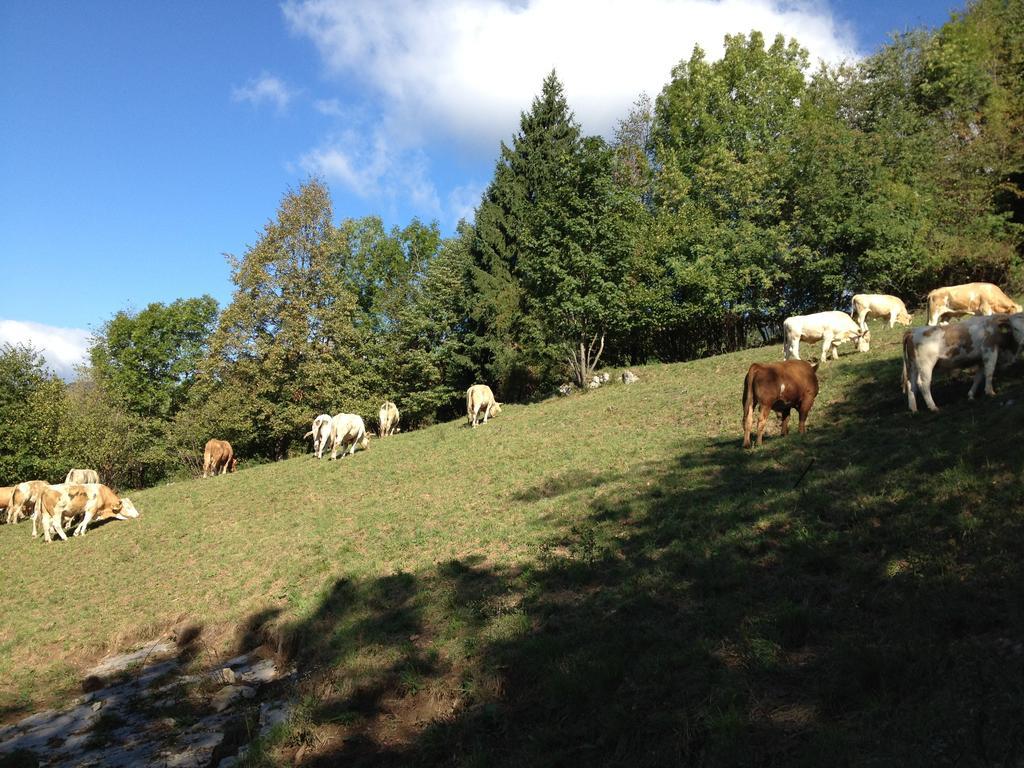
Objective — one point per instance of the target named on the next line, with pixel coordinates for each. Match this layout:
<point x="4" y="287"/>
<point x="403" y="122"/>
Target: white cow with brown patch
<point x="969" y="299"/>
<point x="480" y="399"/>
<point x="830" y="328"/>
<point x="321" y="433"/>
<point x="348" y="431"/>
<point x="867" y="305"/>
<point x="387" y="418"/>
<point x="24" y="499"/>
<point x="61" y="504"/>
<point x="988" y="342"/>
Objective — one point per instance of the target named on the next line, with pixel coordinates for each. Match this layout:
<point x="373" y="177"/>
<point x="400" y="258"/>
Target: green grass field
<point x="605" y="579"/>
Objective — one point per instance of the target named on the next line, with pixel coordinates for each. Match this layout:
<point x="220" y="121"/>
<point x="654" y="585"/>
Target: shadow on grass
<point x="712" y="613"/>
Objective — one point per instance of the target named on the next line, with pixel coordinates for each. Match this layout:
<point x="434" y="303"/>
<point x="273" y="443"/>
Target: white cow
<point x="82" y="476"/>
<point x="387" y="418"/>
<point x="480" y="399"/>
<point x="986" y="341"/>
<point x="867" y="305"/>
<point x="348" y="431"/>
<point x="830" y="328"/>
<point x="969" y="299"/>
<point x="321" y="433"/>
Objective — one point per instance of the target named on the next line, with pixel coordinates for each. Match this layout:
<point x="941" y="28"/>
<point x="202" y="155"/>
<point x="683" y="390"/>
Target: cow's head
<point x="493" y="410"/>
<point x="1017" y="308"/>
<point x="233" y="466"/>
<point x="365" y="442"/>
<point x="906" y="318"/>
<point x="864" y="341"/>
<point x="128" y="510"/>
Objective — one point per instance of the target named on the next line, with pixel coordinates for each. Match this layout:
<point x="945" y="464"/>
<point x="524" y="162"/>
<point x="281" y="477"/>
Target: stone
<point x="628" y="377"/>
<point x="229" y="694"/>
<point x="227" y="675"/>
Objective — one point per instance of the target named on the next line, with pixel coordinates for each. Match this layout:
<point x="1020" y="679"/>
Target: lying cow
<point x="321" y="433"/>
<point x="82" y="476"/>
<point x="830" y="328"/>
<point x="218" y="457"/>
<point x="349" y="432"/>
<point x="388" y="418"/>
<point x="969" y="299"/>
<point x="480" y="399"/>
<point x="867" y="305"/>
<point x="780" y="387"/>
<point x="24" y="499"/>
<point x="61" y="504"/>
<point x="988" y="342"/>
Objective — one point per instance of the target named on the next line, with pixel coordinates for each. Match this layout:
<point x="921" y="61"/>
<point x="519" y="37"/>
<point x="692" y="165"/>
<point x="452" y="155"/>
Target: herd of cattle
<point x="993" y="339"/>
<point x="53" y="508"/>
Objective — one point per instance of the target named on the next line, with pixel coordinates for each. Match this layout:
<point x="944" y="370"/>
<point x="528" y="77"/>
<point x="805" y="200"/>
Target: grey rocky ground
<point x="144" y="710"/>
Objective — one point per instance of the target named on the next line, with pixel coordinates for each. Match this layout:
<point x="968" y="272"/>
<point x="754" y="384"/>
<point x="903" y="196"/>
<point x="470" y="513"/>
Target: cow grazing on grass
<point x="969" y="299"/>
<point x="218" y="457"/>
<point x="480" y="399"/>
<point x="780" y="387"/>
<point x="24" y="499"/>
<point x="988" y="342"/>
<point x="830" y="328"/>
<point x="321" y="433"/>
<point x="388" y="418"/>
<point x="82" y="476"/>
<point x="348" y="431"/>
<point x="867" y="305"/>
<point x="61" y="504"/>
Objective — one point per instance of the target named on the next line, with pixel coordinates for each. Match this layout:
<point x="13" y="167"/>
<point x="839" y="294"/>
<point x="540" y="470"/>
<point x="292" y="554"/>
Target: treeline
<point x="753" y="187"/>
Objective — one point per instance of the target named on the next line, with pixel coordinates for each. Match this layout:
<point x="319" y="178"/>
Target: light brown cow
<point x="969" y="299"/>
<point x="867" y="305"/>
<point x="387" y="419"/>
<point x="479" y="398"/>
<point x="218" y="456"/>
<point x="5" y="497"/>
<point x="82" y="476"/>
<point x="780" y="387"/>
<point x="24" y="499"/>
<point x="61" y="504"/>
<point x="988" y="342"/>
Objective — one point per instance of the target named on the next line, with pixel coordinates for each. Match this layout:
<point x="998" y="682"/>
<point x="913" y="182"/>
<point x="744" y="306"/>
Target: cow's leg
<point x="785" y="421"/>
<point x="989" y="365"/>
<point x="803" y="410"/>
<point x="793" y="352"/>
<point x="924" y="377"/>
<point x="892" y="319"/>
<point x="762" y="422"/>
<point x="826" y="346"/>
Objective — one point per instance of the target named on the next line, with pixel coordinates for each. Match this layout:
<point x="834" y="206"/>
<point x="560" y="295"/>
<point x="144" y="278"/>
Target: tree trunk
<point x="583" y="360"/>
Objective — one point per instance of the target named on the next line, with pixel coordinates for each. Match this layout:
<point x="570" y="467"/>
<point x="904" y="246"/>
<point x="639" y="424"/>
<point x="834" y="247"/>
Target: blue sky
<point x="140" y="141"/>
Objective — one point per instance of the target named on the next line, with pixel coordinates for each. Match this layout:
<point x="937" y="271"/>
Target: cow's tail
<point x="308" y="434"/>
<point x="748" y="404"/>
<point x="908" y="355"/>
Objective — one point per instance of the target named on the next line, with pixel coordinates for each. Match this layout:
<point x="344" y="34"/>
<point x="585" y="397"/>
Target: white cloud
<point x="373" y="164"/>
<point x="465" y="69"/>
<point x="63" y="348"/>
<point x="264" y="89"/>
<point x="463" y="201"/>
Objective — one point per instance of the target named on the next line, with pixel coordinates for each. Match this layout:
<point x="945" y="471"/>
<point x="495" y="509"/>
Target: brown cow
<point x="218" y="456"/>
<point x="780" y="387"/>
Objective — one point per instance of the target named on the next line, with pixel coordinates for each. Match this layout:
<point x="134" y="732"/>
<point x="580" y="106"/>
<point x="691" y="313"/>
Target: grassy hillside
<point x="602" y="579"/>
